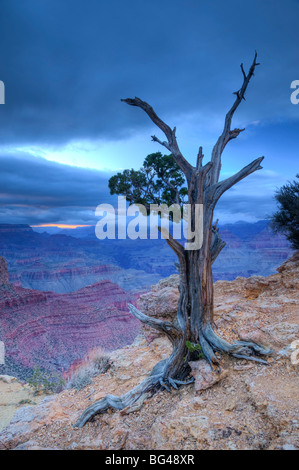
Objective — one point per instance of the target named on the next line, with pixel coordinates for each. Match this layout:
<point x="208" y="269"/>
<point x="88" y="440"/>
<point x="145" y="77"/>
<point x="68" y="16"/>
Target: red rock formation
<point x="60" y="273"/>
<point x="54" y="330"/>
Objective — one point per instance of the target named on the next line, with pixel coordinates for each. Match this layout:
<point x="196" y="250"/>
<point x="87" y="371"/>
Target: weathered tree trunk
<point x="194" y="322"/>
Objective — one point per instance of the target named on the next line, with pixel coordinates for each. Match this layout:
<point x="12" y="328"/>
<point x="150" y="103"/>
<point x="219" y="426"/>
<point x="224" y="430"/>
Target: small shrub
<point x="101" y="364"/>
<point x="80" y="379"/>
<point x="27" y="401"/>
<point x="83" y="376"/>
<point x="286" y="219"/>
<point x="45" y="382"/>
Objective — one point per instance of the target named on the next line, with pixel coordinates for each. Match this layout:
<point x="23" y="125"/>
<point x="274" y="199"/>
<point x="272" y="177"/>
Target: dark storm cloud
<point x="245" y="208"/>
<point x="36" y="191"/>
<point x="67" y="63"/>
<point x="252" y="199"/>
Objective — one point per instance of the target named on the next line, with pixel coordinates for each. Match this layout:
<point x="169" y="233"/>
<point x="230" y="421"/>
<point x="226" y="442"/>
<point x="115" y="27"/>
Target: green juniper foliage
<point x="286" y="219"/>
<point x="159" y="181"/>
<point x="192" y="347"/>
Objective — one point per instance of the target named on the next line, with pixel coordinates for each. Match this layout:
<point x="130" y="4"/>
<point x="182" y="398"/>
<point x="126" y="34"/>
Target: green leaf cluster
<point x="286" y="219"/>
<point x="193" y="347"/>
<point x="159" y="181"/>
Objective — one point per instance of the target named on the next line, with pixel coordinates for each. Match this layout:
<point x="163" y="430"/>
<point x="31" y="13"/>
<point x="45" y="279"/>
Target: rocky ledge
<point x="250" y="406"/>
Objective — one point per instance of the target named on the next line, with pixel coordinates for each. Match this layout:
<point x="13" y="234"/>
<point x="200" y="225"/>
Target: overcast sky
<point x="67" y="63"/>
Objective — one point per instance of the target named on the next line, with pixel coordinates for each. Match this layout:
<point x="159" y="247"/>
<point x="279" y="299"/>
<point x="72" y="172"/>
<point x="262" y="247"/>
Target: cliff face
<point x="72" y="277"/>
<point x="54" y="330"/>
<point x="252" y="407"/>
<point x="62" y="263"/>
<point x="248" y="253"/>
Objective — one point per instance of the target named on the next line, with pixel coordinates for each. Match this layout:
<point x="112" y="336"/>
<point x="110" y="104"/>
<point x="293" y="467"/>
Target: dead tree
<point x="194" y="322"/>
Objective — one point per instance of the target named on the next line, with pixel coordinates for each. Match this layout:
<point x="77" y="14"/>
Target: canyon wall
<point x="63" y="263"/>
<point x="53" y="331"/>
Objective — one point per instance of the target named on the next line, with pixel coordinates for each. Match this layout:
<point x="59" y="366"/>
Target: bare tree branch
<point x="228" y="134"/>
<point x="206" y="168"/>
<point x="200" y="156"/>
<point x="220" y="188"/>
<point x="174" y="244"/>
<point x="217" y="245"/>
<point x="171" y="143"/>
<point x="165" y="144"/>
<point x="166" y="327"/>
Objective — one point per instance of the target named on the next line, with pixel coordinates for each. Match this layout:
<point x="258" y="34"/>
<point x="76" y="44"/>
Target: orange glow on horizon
<point x="60" y="226"/>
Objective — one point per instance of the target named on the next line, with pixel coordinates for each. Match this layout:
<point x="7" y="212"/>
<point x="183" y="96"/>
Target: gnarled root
<point x="134" y="399"/>
<point x="138" y="393"/>
<point x="160" y="378"/>
<point x="248" y="350"/>
<point x="172" y="372"/>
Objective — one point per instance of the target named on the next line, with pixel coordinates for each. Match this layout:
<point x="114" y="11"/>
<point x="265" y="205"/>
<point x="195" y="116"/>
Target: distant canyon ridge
<point x="69" y="260"/>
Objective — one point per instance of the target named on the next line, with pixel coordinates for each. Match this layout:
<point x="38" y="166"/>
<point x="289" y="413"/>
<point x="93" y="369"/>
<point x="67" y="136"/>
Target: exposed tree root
<point x="240" y="349"/>
<point x="160" y="379"/>
<point x="119" y="403"/>
<point x="134" y="399"/>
